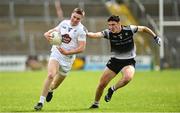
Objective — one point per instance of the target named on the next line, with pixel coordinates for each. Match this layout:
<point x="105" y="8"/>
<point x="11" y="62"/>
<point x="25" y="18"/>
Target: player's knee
<point x="51" y="75"/>
<point x="128" y="78"/>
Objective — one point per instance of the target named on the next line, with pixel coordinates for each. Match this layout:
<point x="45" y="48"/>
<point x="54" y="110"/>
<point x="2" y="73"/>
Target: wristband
<point x="155" y="37"/>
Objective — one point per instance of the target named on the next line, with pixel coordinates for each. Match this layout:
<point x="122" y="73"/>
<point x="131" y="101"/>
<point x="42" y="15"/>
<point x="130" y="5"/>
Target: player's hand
<point x="158" y="40"/>
<point x="63" y="51"/>
<point x="48" y="35"/>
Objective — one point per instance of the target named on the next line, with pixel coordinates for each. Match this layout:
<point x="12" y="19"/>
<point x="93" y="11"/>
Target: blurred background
<point x="23" y="23"/>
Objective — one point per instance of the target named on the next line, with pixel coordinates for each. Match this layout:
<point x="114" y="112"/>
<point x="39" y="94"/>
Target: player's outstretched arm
<point x="94" y="35"/>
<point x="149" y="31"/>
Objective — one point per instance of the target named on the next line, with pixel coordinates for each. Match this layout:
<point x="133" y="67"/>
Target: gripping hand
<point x="157" y="40"/>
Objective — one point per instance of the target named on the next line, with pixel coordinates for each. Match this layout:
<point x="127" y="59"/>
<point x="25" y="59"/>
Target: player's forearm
<point x="91" y="35"/>
<point x="94" y="35"/>
<point x="149" y="31"/>
<point x="76" y="50"/>
<point x="79" y="49"/>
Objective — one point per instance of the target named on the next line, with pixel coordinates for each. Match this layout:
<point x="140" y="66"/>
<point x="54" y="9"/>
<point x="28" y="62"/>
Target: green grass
<point x="149" y="91"/>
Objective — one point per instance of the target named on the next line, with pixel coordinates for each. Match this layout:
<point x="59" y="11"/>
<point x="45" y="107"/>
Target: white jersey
<point x="76" y="33"/>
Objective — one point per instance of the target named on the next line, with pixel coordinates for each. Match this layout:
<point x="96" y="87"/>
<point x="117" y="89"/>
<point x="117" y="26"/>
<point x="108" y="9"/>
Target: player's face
<point x="114" y="26"/>
<point x="75" y="19"/>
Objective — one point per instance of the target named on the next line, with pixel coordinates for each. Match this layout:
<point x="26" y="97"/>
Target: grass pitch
<point x="149" y="91"/>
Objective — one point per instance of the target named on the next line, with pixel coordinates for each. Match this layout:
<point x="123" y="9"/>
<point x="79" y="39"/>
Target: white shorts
<point x="65" y="61"/>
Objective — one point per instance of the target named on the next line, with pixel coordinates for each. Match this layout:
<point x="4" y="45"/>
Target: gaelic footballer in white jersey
<point x="75" y="34"/>
<point x="63" y="54"/>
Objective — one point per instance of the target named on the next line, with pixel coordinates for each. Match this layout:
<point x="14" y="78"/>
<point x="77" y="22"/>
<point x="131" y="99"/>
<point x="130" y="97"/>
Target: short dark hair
<point x="114" y="18"/>
<point x="79" y="11"/>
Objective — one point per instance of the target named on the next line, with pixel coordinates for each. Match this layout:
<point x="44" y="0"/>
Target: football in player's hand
<point x="56" y="38"/>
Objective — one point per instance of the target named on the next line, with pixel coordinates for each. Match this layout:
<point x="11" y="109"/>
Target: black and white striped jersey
<point x="122" y="43"/>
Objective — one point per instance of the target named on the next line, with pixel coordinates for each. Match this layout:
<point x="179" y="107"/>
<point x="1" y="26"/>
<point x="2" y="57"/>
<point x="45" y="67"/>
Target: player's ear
<point x="82" y="17"/>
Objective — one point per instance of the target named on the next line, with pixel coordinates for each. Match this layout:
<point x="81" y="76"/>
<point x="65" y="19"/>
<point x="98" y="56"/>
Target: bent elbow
<point x="82" y="49"/>
<point x="146" y="29"/>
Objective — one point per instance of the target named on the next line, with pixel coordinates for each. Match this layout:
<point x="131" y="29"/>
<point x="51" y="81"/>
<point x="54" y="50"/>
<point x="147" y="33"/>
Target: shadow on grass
<point x="73" y="110"/>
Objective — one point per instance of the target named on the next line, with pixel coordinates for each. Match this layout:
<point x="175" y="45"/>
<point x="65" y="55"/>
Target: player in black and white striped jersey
<point x="123" y="51"/>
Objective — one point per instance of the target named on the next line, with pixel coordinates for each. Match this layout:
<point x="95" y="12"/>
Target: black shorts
<point x="116" y="65"/>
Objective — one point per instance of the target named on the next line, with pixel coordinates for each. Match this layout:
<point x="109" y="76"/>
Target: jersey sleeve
<point x="105" y="33"/>
<point x="134" y="28"/>
<point x="82" y="35"/>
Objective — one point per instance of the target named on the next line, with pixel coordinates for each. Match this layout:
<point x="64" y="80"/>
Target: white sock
<point x="113" y="88"/>
<point x="96" y="103"/>
<point x="42" y="99"/>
